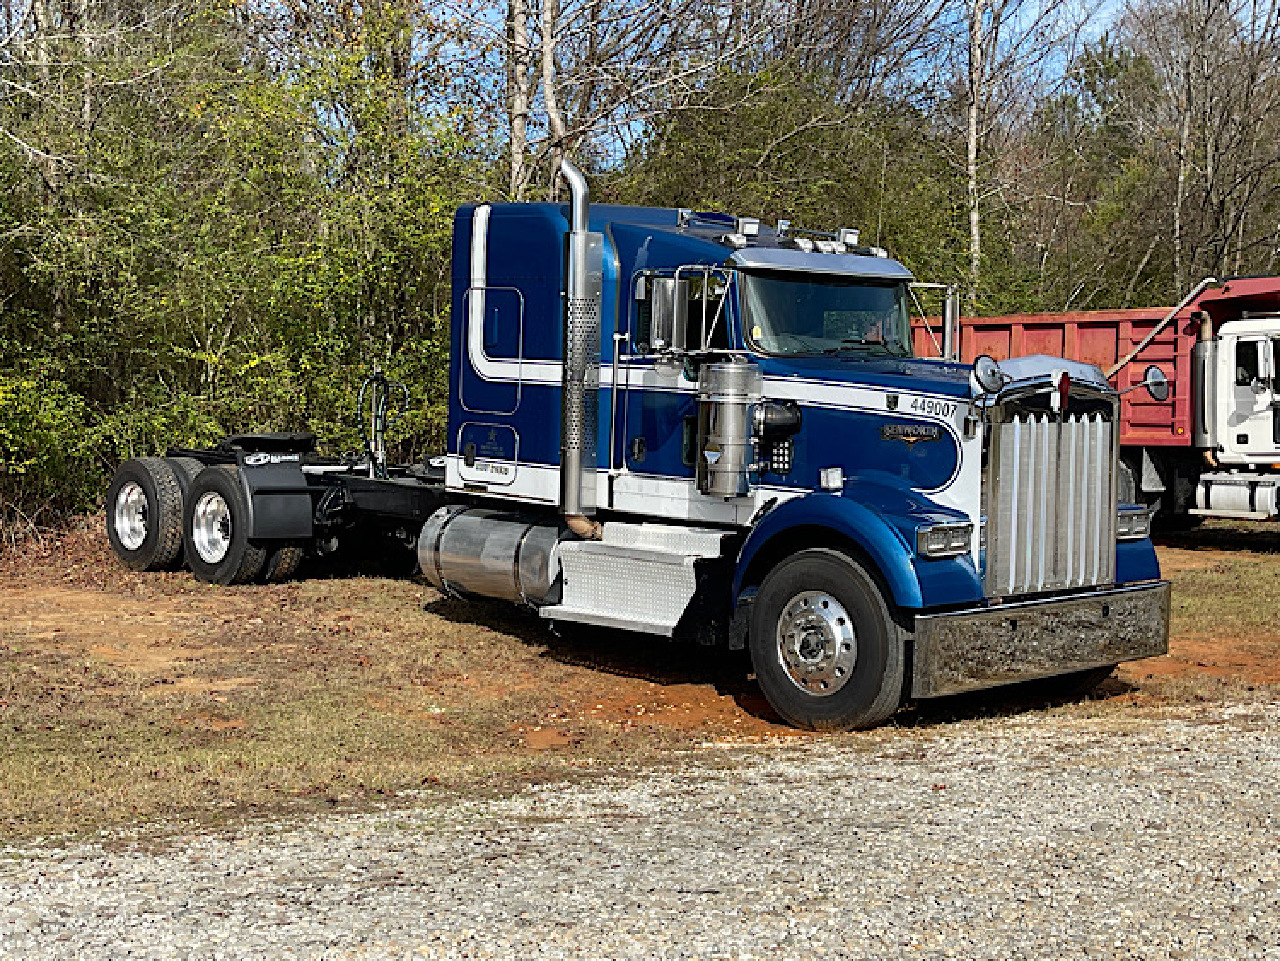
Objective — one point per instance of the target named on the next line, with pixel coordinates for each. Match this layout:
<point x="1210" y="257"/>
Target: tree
<point x="1011" y="50"/>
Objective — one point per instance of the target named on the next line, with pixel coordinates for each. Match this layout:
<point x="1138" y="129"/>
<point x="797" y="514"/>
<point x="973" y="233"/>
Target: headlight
<point x="944" y="540"/>
<point x="1133" y="523"/>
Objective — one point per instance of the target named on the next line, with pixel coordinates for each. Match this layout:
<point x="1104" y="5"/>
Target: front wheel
<point x="216" y="527"/>
<point x="826" y="650"/>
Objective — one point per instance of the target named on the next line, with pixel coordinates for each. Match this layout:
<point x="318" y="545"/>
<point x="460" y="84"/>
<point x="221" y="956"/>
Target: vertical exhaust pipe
<point x="579" y="409"/>
<point x="951" y="325"/>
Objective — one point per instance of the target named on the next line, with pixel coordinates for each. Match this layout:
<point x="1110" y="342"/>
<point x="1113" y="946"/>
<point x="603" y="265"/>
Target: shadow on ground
<point x="1259" y="537"/>
<point x="619" y="653"/>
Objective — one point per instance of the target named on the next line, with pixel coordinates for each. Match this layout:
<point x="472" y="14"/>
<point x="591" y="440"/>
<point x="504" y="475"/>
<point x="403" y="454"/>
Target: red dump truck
<point x="1200" y="383"/>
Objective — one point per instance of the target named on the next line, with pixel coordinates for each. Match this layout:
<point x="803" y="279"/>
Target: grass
<point x="1225" y="576"/>
<point x="127" y="698"/>
<point x="131" y="699"/>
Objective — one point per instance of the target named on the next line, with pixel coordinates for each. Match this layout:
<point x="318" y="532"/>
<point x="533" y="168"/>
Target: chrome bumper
<point x="967" y="650"/>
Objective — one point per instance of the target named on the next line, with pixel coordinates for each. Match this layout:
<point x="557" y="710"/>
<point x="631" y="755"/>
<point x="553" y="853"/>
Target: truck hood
<point x="925" y="375"/>
<point x="916" y="375"/>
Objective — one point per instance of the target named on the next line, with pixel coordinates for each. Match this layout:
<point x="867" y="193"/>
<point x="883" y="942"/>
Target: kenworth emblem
<point x="910" y="432"/>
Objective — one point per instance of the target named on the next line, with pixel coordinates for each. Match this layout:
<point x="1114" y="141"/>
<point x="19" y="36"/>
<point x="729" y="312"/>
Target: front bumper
<point x="968" y="650"/>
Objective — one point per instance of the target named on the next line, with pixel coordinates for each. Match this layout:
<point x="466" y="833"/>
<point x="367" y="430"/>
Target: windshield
<point x="804" y="313"/>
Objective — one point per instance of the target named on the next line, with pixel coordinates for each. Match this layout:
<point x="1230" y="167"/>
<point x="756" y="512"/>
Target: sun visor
<point x="849" y="265"/>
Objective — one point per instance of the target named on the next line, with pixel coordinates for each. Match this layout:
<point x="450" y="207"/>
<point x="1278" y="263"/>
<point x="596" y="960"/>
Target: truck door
<point x="1252" y="427"/>
<point x="490" y="388"/>
<point x="658" y="425"/>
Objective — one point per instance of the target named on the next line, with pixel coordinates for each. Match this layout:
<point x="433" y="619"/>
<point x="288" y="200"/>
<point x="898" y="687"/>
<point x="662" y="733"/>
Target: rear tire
<point x="827" y="652"/>
<point x="144" y="514"/>
<point x="282" y="565"/>
<point x="185" y="470"/>
<point x="216" y="528"/>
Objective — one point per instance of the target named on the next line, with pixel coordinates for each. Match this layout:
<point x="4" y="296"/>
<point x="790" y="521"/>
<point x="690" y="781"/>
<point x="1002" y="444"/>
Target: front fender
<point x="884" y="533"/>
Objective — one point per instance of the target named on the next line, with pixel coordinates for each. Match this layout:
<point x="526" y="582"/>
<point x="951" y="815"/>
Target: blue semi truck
<point x="696" y="426"/>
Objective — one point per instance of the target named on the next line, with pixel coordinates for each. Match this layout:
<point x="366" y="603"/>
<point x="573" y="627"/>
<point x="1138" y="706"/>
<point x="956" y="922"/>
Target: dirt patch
<point x="1228" y="658"/>
<point x="127" y="697"/>
<point x="1224" y="623"/>
<point x="1175" y="560"/>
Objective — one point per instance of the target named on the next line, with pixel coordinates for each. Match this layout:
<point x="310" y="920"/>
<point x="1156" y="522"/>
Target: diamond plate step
<point x="635" y="588"/>
<point x="699" y="541"/>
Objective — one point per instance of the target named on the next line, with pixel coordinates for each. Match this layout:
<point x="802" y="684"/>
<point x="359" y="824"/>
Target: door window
<point x="1248" y="362"/>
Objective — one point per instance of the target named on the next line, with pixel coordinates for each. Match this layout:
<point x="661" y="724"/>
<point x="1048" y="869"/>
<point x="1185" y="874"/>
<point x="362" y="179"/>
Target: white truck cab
<point x="1247" y="398"/>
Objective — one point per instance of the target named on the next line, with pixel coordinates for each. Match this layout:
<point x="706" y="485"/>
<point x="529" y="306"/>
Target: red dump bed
<point x="1104" y="336"/>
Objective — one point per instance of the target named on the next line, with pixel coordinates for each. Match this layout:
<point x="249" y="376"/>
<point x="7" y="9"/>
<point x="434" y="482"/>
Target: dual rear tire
<point x="215" y="525"/>
<point x="144" y="515"/>
<point x="160" y="510"/>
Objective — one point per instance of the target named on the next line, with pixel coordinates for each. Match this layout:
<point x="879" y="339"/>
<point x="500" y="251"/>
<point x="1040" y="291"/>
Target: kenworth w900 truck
<point x="692" y="425"/>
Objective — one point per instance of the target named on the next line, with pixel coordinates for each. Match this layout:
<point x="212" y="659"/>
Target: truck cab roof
<point x="679" y="237"/>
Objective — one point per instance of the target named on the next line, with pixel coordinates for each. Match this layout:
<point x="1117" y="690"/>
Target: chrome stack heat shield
<point x="581" y="378"/>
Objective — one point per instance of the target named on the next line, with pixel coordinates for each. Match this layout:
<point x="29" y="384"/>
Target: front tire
<point x="216" y="526"/>
<point x="144" y="515"/>
<point x="827" y="652"/>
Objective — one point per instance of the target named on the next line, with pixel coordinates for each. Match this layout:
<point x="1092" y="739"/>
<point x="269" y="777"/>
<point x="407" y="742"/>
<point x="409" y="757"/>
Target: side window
<point x="704" y="308"/>
<point x="501" y="318"/>
<point x="708" y="312"/>
<point x="1248" y="367"/>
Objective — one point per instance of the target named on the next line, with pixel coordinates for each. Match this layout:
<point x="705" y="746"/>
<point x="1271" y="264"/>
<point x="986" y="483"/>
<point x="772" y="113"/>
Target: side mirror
<point x="1157" y="383"/>
<point x="987" y="372"/>
<point x="670" y="312"/>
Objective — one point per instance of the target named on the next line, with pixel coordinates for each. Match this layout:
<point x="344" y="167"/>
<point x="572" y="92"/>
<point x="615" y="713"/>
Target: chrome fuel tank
<point x="492" y="554"/>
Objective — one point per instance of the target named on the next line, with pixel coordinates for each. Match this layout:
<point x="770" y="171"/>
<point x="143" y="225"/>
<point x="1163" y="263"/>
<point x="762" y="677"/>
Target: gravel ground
<point x="1037" y="836"/>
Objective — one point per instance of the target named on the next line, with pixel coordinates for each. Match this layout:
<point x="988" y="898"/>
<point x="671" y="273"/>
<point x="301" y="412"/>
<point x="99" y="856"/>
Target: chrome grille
<point x="1051" y="504"/>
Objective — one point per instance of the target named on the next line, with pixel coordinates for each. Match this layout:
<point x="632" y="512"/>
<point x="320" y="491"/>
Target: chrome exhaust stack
<point x="581" y="379"/>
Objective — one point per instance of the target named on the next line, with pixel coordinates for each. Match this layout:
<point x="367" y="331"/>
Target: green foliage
<point x="779" y="146"/>
<point x="48" y="449"/>
<point x="229" y="247"/>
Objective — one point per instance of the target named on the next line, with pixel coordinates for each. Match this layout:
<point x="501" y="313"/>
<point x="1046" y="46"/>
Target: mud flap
<point x="279" y="497"/>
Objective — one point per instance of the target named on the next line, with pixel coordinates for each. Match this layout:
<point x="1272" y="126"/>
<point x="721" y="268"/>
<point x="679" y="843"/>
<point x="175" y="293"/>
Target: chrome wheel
<point x="130" y="516"/>
<point x="816" y="643"/>
<point x="211" y="527"/>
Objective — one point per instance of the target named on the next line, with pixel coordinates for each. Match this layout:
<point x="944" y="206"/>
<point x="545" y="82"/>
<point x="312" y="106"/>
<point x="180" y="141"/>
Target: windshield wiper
<point x="893" y="350"/>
